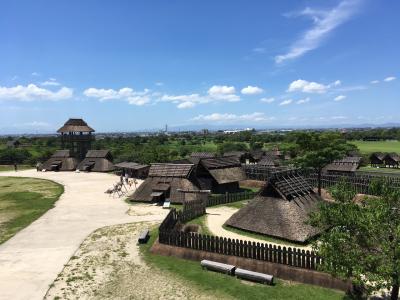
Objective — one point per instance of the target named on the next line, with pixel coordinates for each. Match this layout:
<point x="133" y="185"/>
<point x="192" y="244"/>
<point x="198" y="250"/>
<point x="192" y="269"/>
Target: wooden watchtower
<point x="77" y="137"/>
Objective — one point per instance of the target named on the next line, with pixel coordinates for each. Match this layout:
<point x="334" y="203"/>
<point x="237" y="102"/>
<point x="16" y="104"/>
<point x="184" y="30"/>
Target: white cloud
<point x="336" y="83"/>
<point x="186" y="104"/>
<point x="305" y="86"/>
<point x="217" y="117"/>
<point x="125" y="94"/>
<point x="251" y="90"/>
<point x="286" y="102"/>
<point x="390" y="78"/>
<point x="338" y="118"/>
<point x="32" y="92"/>
<point x="302" y="101"/>
<point x="35" y="74"/>
<point x="340" y="98"/>
<point x="267" y="100"/>
<point x="259" y="50"/>
<point x="325" y="21"/>
<point x="374" y="81"/>
<point x="50" y="83"/>
<point x="223" y="92"/>
<point x="159" y="83"/>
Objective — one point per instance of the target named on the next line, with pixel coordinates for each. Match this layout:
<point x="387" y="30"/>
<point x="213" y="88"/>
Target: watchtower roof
<point x="75" y="125"/>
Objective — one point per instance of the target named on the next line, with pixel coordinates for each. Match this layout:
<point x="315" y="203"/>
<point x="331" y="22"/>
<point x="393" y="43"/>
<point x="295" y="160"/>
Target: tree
<point x="316" y="150"/>
<point x="363" y="240"/>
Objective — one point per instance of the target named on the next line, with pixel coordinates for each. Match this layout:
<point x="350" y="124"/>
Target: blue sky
<point x="131" y="65"/>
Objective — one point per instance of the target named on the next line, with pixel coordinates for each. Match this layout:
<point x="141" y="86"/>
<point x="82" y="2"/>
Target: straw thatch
<point x="224" y="169"/>
<point x="61" y="160"/>
<point x="13" y="144"/>
<point x="75" y="125"/>
<point x="377" y="158"/>
<point x="392" y="159"/>
<point x="134" y="170"/>
<point x="97" y="161"/>
<point x="281" y="210"/>
<point x="163" y="183"/>
<point x="345" y="165"/>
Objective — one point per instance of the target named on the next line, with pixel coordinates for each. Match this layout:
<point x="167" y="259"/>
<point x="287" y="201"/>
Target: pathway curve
<point x="32" y="259"/>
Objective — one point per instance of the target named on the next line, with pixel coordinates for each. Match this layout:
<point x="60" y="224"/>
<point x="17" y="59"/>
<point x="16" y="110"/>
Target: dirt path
<point x="217" y="216"/>
<point x="108" y="265"/>
<point x="32" y="259"/>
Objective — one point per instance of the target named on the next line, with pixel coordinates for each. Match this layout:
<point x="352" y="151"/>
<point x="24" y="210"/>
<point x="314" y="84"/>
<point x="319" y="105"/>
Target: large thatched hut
<point x="243" y="156"/>
<point x="61" y="160"/>
<point x="346" y="165"/>
<point x="97" y="161"/>
<point x="220" y="174"/>
<point x="281" y="209"/>
<point x="164" y="181"/>
<point x="392" y="160"/>
<point x="377" y="159"/>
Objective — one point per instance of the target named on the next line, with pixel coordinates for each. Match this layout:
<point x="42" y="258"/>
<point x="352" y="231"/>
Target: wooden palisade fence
<point x="226" y="246"/>
<point x="229" y="198"/>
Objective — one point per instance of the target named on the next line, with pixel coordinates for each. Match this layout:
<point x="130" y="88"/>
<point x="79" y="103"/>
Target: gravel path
<point x="32" y="259"/>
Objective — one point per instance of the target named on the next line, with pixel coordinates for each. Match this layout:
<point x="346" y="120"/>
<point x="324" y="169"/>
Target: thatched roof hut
<point x="196" y="156"/>
<point x="97" y="161"/>
<point x="163" y="183"/>
<point x="134" y="170"/>
<point x="61" y="160"/>
<point x="268" y="161"/>
<point x="243" y="156"/>
<point x="281" y="209"/>
<point x="220" y="174"/>
<point x="75" y="125"/>
<point x="377" y="159"/>
<point x="346" y="165"/>
<point x="392" y="160"/>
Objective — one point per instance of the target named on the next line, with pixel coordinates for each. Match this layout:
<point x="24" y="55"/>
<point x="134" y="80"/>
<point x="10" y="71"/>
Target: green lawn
<point x="11" y="167"/>
<point x="389" y="171"/>
<point x="22" y="201"/>
<point x="367" y="147"/>
<point x="224" y="286"/>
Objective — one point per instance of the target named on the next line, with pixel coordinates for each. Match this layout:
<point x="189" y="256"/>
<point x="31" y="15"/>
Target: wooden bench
<point x="144" y="237"/>
<point x="254" y="276"/>
<point x="217" y="267"/>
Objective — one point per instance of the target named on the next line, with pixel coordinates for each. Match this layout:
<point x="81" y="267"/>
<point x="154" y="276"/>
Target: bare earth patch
<point x="108" y="265"/>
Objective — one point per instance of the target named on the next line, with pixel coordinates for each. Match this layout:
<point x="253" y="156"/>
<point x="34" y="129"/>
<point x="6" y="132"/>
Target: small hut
<point x="61" y="160"/>
<point x="346" y="165"/>
<point x="281" y="210"/>
<point x="163" y="183"/>
<point x="268" y="161"/>
<point x="377" y="159"/>
<point x="133" y="170"/>
<point x="257" y="155"/>
<point x="392" y="160"/>
<point x="220" y="174"/>
<point x="97" y="161"/>
<point x="243" y="156"/>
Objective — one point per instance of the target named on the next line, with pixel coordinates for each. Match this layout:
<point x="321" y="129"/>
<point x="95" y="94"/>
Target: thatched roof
<point x="75" y="125"/>
<point x="277" y="217"/>
<point x="61" y="160"/>
<point x="156" y="186"/>
<point x="392" y="157"/>
<point x="281" y="210"/>
<point x="98" y="154"/>
<point x="224" y="169"/>
<point x="202" y="154"/>
<point x="346" y="164"/>
<point x="97" y="161"/>
<point x="13" y="143"/>
<point x="257" y="154"/>
<point x="237" y="154"/>
<point x="378" y="156"/>
<point x="130" y="165"/>
<point x="170" y="170"/>
<point x="268" y="161"/>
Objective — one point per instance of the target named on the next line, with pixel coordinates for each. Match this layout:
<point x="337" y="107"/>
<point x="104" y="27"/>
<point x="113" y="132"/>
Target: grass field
<point x="367" y="147"/>
<point x="223" y="286"/>
<point x="22" y="201"/>
<point x="11" y="167"/>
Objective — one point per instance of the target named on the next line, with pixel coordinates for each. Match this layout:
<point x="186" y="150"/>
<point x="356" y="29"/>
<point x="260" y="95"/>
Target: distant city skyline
<point x="131" y="66"/>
